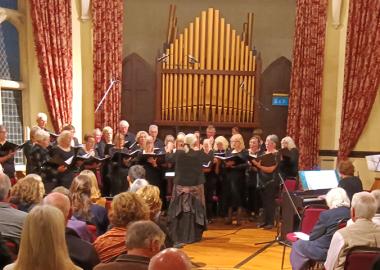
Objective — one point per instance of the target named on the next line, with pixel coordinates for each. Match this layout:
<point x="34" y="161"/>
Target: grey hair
<point x="5" y="186"/>
<point x="274" y="139"/>
<point x="153" y="127"/>
<point x="124" y="123"/>
<point x="42" y="116"/>
<point x="364" y="204"/>
<point x="41" y="135"/>
<point x="376" y="194"/>
<point x="142" y="233"/>
<point x="289" y="141"/>
<point x="64" y="134"/>
<point x="136" y="172"/>
<point x="137" y="184"/>
<point x="190" y="141"/>
<point x="337" y="197"/>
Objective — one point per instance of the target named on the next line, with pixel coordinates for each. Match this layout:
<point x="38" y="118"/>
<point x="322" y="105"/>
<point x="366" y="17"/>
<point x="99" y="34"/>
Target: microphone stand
<point x="112" y="82"/>
<point x="277" y="238"/>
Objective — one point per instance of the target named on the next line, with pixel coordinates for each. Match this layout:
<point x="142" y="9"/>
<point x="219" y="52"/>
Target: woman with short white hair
<point x="289" y="154"/>
<point x="188" y="192"/>
<point x="319" y="240"/>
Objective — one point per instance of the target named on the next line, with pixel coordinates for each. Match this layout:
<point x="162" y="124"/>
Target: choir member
<point x="129" y="137"/>
<point x="211" y="179"/>
<point x="71" y="128"/>
<point x="42" y="120"/>
<point x="180" y="141"/>
<point x="288" y="166"/>
<point x="267" y="169"/>
<point x="152" y="165"/>
<point x="106" y="142"/>
<point x="29" y="145"/>
<point x="63" y="151"/>
<point x="187" y="226"/>
<point x="235" y="178"/>
<point x="39" y="156"/>
<point x="253" y="195"/>
<point x="169" y="139"/>
<point x="153" y="131"/>
<point x="118" y="165"/>
<point x="210" y="134"/>
<point x="140" y="141"/>
<point x="6" y="155"/>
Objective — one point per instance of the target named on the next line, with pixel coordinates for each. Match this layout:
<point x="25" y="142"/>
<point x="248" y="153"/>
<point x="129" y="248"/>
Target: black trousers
<point x="268" y="195"/>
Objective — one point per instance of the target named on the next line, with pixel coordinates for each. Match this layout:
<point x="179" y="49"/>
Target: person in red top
<point x="126" y="207"/>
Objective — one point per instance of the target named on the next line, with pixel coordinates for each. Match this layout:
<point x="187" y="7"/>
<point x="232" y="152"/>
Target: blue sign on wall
<point x="280" y="100"/>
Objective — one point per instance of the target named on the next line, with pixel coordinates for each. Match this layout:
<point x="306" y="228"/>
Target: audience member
<point x="79" y="226"/>
<point x="83" y="208"/>
<point x="319" y="241"/>
<point x="376" y="194"/>
<point x="27" y="192"/>
<point x="135" y="172"/>
<point x="144" y="240"/>
<point x="138" y="184"/>
<point x="11" y="219"/>
<point x="43" y="242"/>
<point x="170" y="258"/>
<point x="350" y="183"/>
<point x="151" y="196"/>
<point x="96" y="196"/>
<point x="81" y="252"/>
<point x="126" y="207"/>
<point x="363" y="232"/>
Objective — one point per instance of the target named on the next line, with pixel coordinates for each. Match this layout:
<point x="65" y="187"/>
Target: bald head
<point x="60" y="201"/>
<point x="170" y="258"/>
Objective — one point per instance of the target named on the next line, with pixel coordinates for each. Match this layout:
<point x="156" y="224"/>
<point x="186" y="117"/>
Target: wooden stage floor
<point x="232" y="247"/>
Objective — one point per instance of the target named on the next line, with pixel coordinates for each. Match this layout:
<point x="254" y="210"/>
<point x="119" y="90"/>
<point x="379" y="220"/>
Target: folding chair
<point x="361" y="258"/>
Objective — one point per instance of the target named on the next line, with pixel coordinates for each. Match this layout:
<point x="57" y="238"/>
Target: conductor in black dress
<point x="187" y="213"/>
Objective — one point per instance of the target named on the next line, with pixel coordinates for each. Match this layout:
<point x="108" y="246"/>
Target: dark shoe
<point x="261" y="225"/>
<point x="268" y="227"/>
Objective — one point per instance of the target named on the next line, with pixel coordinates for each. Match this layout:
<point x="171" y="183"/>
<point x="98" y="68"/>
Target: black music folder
<point x="11" y="147"/>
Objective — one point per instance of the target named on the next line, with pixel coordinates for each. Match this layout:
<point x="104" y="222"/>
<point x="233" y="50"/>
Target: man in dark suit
<point x="144" y="239"/>
<point x="128" y="136"/>
<point x="319" y="241"/>
<point x="82" y="253"/>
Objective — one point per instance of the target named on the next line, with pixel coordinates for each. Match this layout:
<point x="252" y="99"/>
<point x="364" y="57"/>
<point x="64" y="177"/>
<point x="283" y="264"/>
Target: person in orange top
<point x="126" y="207"/>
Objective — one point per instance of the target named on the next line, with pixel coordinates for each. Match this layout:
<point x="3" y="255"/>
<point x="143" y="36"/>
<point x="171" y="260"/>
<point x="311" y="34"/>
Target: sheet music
<point x="373" y="163"/>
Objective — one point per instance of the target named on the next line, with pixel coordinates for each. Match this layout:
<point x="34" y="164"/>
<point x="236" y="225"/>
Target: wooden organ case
<point x="207" y="74"/>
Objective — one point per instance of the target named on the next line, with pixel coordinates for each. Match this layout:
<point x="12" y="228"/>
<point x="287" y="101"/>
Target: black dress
<point x="38" y="164"/>
<point x="253" y="197"/>
<point x="187" y="213"/>
<point x="352" y="185"/>
<point x="269" y="185"/>
<point x="27" y="149"/>
<point x="288" y="166"/>
<point x="63" y="178"/>
<point x="9" y="164"/>
<point x="118" y="173"/>
<point x="234" y="182"/>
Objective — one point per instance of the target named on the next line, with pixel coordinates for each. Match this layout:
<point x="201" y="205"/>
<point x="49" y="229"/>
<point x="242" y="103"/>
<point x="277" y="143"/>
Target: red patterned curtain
<point x="53" y="41"/>
<point x="362" y="71"/>
<point x="306" y="80"/>
<point x="108" y="41"/>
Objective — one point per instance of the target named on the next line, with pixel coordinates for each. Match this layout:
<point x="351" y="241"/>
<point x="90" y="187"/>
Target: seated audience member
<point x="143" y="240"/>
<point x="83" y="208"/>
<point x="79" y="226"/>
<point x="376" y="194"/>
<point x="43" y="242"/>
<point x="135" y="172"/>
<point x="27" y="192"/>
<point x="126" y="207"/>
<point x="350" y="183"/>
<point x="138" y="184"/>
<point x="170" y="258"/>
<point x="11" y="219"/>
<point x="363" y="232"/>
<point x="96" y="196"/>
<point x="5" y="255"/>
<point x="151" y="196"/>
<point x="82" y="253"/>
<point x="317" y="246"/>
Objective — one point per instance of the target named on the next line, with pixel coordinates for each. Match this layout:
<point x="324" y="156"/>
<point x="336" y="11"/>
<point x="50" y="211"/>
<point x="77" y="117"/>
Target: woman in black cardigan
<point x="187" y="213"/>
